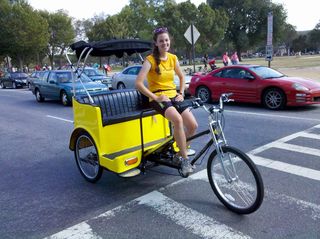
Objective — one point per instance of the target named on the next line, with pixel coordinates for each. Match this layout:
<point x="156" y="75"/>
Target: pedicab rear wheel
<point x="87" y="158"/>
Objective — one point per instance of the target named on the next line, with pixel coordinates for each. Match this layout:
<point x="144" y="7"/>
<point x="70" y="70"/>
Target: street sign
<point x="188" y="34"/>
<point x="269" y="53"/>
<point x="192" y="34"/>
<point x="269" y="46"/>
<point x="270" y="29"/>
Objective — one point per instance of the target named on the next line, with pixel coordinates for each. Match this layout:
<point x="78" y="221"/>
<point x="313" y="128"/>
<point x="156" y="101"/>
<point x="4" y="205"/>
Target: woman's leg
<point x="190" y="123"/>
<point x="178" y="129"/>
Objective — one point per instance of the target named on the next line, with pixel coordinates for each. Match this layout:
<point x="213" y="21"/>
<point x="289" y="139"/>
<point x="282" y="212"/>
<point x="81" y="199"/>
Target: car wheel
<point x="65" y="99"/>
<point x="2" y="86"/>
<point x="274" y="99"/>
<point x="204" y="94"/>
<point x="39" y="97"/>
<point x="14" y="85"/>
<point x="121" y="86"/>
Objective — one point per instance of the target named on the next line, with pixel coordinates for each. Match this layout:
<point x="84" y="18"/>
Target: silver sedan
<point x="127" y="77"/>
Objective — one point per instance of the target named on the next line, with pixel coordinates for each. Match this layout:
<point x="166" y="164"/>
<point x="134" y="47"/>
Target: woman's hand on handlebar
<point x="179" y="97"/>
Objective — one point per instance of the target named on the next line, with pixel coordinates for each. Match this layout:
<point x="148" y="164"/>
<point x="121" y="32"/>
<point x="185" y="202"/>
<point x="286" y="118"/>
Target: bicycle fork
<point x="220" y="141"/>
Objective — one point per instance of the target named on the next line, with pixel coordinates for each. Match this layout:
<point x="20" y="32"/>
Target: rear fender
<point x="74" y="136"/>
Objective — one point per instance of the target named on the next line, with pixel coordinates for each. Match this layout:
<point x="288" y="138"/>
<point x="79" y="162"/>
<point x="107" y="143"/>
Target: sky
<point x="304" y="15"/>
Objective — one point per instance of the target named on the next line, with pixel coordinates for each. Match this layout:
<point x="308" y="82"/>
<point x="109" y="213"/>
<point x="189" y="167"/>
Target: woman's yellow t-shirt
<point x="162" y="84"/>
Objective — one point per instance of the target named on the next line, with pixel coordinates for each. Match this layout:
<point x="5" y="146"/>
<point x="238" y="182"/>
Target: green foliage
<point x="299" y="44"/>
<point x="24" y="30"/>
<point x="28" y="35"/>
<point x="314" y="38"/>
<point x="288" y="36"/>
<point x="61" y="33"/>
<point x="247" y="26"/>
<point x="140" y="17"/>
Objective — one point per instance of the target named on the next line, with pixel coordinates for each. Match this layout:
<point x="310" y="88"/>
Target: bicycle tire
<point x="242" y="195"/>
<point x="87" y="158"/>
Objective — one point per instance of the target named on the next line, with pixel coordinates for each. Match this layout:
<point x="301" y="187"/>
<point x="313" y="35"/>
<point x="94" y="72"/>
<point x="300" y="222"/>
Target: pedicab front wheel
<point x="87" y="159"/>
<point x="235" y="180"/>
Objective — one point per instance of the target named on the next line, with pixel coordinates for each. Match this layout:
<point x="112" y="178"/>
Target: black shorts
<point x="161" y="107"/>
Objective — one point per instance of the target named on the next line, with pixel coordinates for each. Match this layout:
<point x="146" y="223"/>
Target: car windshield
<point x="19" y="75"/>
<point x="93" y="72"/>
<point x="65" y="77"/>
<point x="266" y="72"/>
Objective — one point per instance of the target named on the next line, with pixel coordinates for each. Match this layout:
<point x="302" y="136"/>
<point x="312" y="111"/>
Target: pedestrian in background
<point x="225" y="59"/>
<point x="235" y="58"/>
<point x="205" y="59"/>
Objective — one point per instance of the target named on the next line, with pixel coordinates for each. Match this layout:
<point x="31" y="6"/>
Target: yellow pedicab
<point x="116" y="130"/>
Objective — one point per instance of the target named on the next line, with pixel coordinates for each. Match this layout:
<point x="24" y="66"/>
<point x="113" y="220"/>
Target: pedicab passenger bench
<point x="115" y="121"/>
<point x="120" y="105"/>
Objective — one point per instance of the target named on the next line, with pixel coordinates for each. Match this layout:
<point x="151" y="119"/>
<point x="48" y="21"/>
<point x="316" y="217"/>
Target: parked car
<point x="13" y="80"/>
<point x="127" y="77"/>
<point x="95" y="75"/>
<point x="58" y="85"/>
<point x="34" y="76"/>
<point x="256" y="84"/>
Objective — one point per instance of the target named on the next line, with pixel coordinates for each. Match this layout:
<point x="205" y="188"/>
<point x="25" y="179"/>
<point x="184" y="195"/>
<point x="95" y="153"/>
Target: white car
<point x="126" y="78"/>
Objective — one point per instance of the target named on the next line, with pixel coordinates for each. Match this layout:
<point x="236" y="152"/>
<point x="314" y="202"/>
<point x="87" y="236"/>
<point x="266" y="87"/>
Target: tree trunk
<point x="20" y="63"/>
<point x="51" y="60"/>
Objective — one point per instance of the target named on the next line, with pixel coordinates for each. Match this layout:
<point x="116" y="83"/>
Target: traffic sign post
<point x="269" y="46"/>
<point x="192" y="34"/>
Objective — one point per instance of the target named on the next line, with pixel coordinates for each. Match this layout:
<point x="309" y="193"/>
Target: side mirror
<point x="52" y="82"/>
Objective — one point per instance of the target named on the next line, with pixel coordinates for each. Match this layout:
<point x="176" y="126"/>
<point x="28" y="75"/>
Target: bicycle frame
<point x="218" y="139"/>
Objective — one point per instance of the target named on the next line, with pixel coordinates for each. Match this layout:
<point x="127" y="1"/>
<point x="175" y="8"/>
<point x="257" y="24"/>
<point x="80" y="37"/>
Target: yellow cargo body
<point x="118" y="142"/>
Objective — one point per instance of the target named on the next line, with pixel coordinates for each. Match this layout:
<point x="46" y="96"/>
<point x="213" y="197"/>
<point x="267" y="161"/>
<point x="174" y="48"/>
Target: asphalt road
<point x="42" y="194"/>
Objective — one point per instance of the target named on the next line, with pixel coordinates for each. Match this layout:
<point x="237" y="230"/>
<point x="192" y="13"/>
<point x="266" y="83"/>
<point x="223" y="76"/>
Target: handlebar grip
<point x="225" y="96"/>
<point x="196" y="103"/>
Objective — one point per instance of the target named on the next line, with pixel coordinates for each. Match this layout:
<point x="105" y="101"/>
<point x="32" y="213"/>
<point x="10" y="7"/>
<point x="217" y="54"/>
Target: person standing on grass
<point x="235" y="58"/>
<point x="225" y="59"/>
<point x="159" y="69"/>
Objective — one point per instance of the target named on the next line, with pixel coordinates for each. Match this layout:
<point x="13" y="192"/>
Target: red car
<point x="255" y="84"/>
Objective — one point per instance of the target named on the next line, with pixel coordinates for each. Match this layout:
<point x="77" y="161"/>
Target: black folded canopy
<point x="112" y="47"/>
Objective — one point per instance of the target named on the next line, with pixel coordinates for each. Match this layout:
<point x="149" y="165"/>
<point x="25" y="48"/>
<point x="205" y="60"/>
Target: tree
<point x="211" y="24"/>
<point x="314" y="38"/>
<point x="178" y="18"/>
<point x="81" y="28"/>
<point x="247" y="25"/>
<point x="289" y="35"/>
<point x="61" y="33"/>
<point x="24" y="30"/>
<point x="300" y="43"/>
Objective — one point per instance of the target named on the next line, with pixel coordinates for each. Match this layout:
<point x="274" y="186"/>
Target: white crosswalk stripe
<point x="192" y="220"/>
<point x="203" y="225"/>
<point x="282" y="144"/>
<point x="286" y="167"/>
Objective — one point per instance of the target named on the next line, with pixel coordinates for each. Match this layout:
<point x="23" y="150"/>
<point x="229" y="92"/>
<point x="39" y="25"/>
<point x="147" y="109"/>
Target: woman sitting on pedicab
<point x="159" y="69"/>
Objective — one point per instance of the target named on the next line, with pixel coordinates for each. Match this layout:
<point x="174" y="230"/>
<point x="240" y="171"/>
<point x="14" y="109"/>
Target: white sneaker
<point x="191" y="152"/>
<point x="186" y="167"/>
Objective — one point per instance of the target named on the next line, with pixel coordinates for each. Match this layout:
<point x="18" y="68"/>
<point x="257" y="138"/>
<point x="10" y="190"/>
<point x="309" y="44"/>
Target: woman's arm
<point x="181" y="78"/>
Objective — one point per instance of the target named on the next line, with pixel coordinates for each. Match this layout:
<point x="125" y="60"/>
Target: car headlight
<point x="81" y="90"/>
<point x="299" y="87"/>
<point x="78" y="91"/>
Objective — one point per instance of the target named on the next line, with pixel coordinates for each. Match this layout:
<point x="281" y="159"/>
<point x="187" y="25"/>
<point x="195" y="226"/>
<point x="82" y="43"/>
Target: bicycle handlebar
<point x="197" y="102"/>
